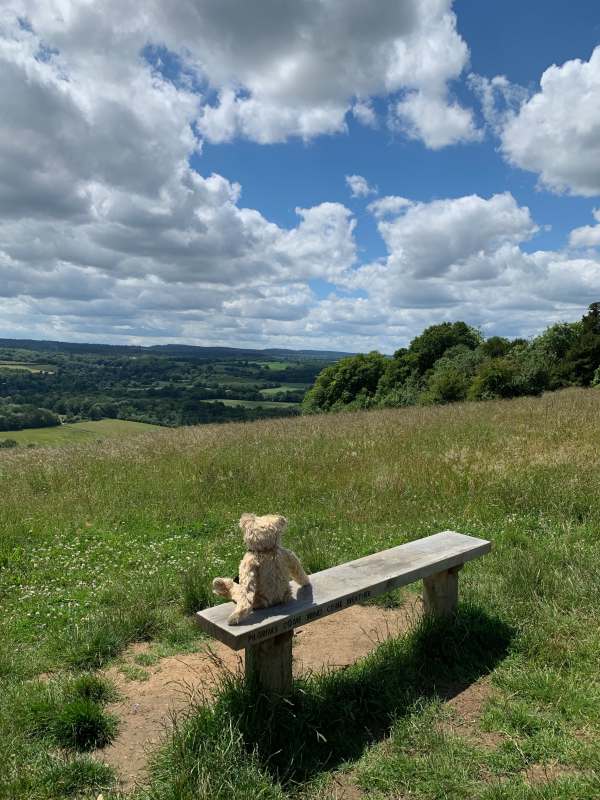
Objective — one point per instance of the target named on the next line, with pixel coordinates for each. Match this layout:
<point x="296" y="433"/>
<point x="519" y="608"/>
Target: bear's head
<point x="262" y="533"/>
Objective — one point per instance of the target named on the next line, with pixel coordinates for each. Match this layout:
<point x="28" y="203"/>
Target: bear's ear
<point x="246" y="520"/>
<point x="281" y="524"/>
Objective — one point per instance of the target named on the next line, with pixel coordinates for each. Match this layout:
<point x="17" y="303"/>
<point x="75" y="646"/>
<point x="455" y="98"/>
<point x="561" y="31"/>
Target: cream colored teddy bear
<point x="265" y="570"/>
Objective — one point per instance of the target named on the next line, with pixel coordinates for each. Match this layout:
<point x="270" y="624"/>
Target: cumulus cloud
<point x="464" y="236"/>
<point x="300" y="66"/>
<point x="463" y="258"/>
<point x="104" y="225"/>
<point x="556" y="133"/>
<point x="391" y="204"/>
<point x="588" y="235"/>
<point x="107" y="233"/>
<point x="435" y="121"/>
<point x="359" y="186"/>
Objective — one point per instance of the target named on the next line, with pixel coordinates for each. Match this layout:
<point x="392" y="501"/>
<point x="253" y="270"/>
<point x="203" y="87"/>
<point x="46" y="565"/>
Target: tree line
<point x="452" y="361"/>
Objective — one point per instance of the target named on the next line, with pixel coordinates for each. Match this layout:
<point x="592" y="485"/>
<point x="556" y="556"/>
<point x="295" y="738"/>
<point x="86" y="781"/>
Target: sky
<point x="322" y="174"/>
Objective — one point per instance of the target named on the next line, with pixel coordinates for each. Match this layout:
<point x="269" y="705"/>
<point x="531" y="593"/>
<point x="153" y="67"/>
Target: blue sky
<point x="181" y="173"/>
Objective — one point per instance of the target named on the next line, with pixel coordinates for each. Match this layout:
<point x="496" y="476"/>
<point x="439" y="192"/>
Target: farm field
<point x="26" y="366"/>
<point x="110" y="543"/>
<point x="285" y="387"/>
<point x="71" y="433"/>
<point x="255" y="403"/>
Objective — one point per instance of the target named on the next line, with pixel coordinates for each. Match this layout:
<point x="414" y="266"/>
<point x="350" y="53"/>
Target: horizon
<point x="320" y="176"/>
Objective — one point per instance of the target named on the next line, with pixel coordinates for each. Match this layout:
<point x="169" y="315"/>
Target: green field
<point x="274" y="365"/>
<point x="78" y="432"/>
<point x="253" y="403"/>
<point x="286" y="387"/>
<point x="26" y="366"/>
<point x="108" y="543"/>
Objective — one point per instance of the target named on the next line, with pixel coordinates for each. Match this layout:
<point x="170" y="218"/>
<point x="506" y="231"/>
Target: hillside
<point x="104" y="544"/>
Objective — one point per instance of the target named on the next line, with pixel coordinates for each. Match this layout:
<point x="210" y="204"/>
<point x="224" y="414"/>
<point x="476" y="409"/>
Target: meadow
<point x="104" y="544"/>
<point x="25" y="366"/>
<point x="74" y="432"/>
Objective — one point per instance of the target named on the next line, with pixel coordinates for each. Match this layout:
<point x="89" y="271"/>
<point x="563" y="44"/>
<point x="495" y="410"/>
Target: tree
<point x="425" y="349"/>
<point x="583" y="357"/>
<point x="352" y="380"/>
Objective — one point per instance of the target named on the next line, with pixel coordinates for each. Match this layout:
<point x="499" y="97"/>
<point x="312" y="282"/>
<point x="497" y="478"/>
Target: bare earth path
<point x="145" y="707"/>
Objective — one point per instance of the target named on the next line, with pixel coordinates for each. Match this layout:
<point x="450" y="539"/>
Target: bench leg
<point x="270" y="663"/>
<point x="440" y="595"/>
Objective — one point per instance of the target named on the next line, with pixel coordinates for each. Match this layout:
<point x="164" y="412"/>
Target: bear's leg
<point x="243" y="603"/>
<point x="224" y="587"/>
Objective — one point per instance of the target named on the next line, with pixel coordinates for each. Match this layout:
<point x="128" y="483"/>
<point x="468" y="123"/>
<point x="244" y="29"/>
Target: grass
<point x="26" y="366"/>
<point x="108" y="543"/>
<point x="253" y="403"/>
<point x="75" y="432"/>
<point x="285" y="387"/>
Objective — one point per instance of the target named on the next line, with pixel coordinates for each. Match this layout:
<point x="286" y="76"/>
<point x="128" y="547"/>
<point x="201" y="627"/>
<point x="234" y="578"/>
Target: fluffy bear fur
<point x="265" y="570"/>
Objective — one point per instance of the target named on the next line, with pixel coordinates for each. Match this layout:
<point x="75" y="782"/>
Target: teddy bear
<point x="265" y="570"/>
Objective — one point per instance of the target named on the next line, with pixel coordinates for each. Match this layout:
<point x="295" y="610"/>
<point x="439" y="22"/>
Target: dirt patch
<point x="466" y="708"/>
<point x="343" y="787"/>
<point x="146" y="706"/>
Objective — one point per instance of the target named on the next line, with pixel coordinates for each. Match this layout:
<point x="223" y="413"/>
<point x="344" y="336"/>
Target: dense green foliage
<point x="106" y="544"/>
<point x="452" y="362"/>
<point x="18" y="417"/>
<point x="162" y="386"/>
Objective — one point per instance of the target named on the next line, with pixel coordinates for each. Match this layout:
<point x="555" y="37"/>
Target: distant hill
<point x="184" y="350"/>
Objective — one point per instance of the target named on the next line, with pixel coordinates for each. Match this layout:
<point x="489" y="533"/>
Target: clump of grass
<point x="83" y="725"/>
<point x="73" y="776"/>
<point x="89" y="686"/>
<point x="394" y="599"/>
<point x="69" y="713"/>
<point x="134" y="673"/>
<point x="146" y="659"/>
<point x="197" y="590"/>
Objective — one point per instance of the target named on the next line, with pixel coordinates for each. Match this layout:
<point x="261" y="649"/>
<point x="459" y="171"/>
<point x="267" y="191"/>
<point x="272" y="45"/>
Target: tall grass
<point x="105" y="544"/>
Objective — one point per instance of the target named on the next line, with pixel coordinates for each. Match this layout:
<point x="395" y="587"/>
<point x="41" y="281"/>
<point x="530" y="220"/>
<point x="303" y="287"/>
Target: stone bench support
<point x="267" y="634"/>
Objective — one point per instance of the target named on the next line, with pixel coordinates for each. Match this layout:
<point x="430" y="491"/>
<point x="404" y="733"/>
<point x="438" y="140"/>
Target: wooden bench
<point x="267" y="634"/>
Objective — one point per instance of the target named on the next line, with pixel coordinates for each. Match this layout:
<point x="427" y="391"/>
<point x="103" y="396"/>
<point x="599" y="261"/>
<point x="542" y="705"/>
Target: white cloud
<point x="588" y="235"/>
<point x="434" y="120"/>
<point x="364" y="112"/>
<point x="385" y="206"/>
<point x="359" y="186"/>
<point x="294" y="68"/>
<point x="463" y="258"/>
<point x="500" y="99"/>
<point x="556" y="133"/>
<point x="463" y="236"/>
<point x="300" y="66"/>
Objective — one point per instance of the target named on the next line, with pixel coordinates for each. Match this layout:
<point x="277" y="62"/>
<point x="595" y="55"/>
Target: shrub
<point x="495" y="378"/>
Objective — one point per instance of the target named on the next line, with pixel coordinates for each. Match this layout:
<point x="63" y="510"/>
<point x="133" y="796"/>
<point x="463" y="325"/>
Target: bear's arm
<point x="294" y="567"/>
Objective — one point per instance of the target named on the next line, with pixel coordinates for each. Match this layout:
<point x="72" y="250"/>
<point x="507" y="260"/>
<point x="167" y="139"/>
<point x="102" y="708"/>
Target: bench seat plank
<point x="342" y="586"/>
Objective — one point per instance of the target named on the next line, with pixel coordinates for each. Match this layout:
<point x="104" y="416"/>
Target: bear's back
<point x="273" y="583"/>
